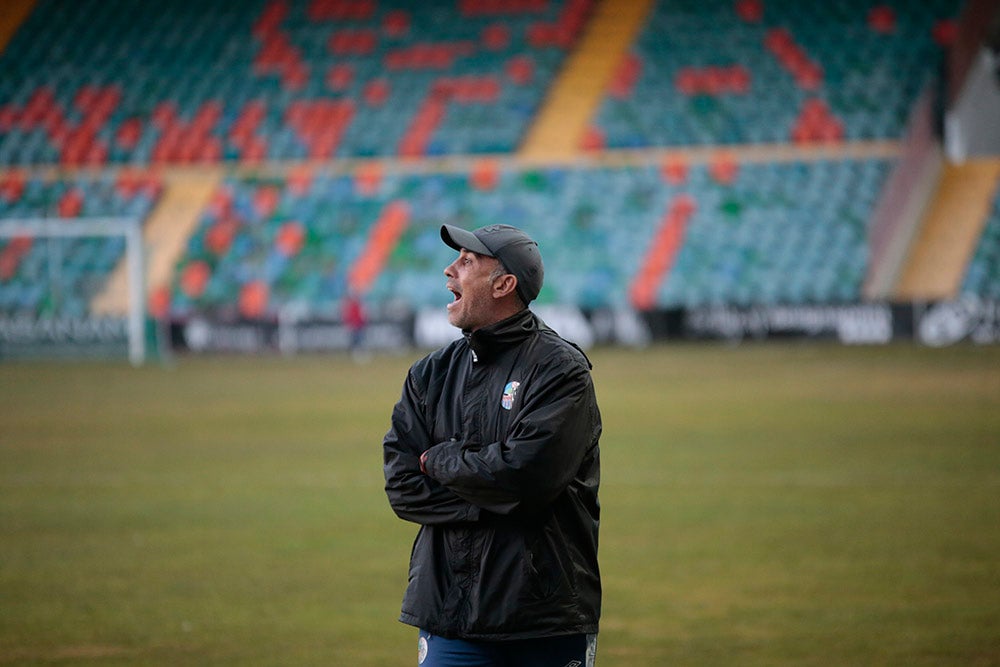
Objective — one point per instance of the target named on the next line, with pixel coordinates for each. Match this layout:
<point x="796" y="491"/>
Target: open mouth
<point x="456" y="294"/>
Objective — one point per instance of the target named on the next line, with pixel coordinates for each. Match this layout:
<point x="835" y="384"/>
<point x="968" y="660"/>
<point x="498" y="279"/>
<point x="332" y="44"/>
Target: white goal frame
<point x="131" y="229"/>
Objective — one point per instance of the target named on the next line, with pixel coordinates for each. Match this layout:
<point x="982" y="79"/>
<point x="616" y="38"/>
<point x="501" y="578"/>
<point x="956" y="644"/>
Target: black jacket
<point x="508" y="508"/>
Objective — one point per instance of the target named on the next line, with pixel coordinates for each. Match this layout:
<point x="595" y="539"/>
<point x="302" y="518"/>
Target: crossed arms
<point x="462" y="478"/>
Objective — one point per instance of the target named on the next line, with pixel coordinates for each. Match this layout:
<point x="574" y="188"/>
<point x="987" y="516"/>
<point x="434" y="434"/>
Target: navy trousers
<point x="567" y="651"/>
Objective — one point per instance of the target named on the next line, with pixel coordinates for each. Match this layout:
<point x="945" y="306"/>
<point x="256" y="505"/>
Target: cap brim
<point x="459" y="238"/>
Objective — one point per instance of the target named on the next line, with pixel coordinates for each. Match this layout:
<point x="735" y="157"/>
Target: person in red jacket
<point x="493" y="451"/>
<point x="356" y="319"/>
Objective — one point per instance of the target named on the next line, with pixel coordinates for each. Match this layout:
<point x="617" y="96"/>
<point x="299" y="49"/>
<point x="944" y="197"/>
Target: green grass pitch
<point x="771" y="504"/>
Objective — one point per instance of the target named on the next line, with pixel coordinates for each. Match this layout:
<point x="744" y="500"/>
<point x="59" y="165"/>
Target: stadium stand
<point x="757" y="241"/>
<point x="749" y="235"/>
<point x="775" y="71"/>
<point x="41" y="276"/>
<point x="564" y="120"/>
<point x="166" y="229"/>
<point x="262" y="243"/>
<point x="677" y="155"/>
<point x="186" y="82"/>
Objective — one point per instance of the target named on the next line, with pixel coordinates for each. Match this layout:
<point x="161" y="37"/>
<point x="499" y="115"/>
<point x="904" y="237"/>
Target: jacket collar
<point x="489" y="341"/>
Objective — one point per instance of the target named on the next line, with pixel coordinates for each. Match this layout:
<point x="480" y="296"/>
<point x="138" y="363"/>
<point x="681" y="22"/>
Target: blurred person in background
<point x="493" y="451"/>
<point x="354" y="316"/>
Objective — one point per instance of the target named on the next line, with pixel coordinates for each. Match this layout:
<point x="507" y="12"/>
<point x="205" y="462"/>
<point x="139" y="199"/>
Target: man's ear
<point x="504" y="285"/>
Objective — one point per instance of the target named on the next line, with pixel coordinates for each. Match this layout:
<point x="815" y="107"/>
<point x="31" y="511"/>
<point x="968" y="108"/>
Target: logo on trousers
<point x="421" y="650"/>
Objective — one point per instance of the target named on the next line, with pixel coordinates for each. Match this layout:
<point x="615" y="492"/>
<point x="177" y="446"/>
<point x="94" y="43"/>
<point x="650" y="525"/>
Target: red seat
<point x="194" y="278"/>
<point x="253" y="299"/>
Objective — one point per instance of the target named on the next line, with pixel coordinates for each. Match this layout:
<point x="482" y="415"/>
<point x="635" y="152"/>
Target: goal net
<point x="54" y="277"/>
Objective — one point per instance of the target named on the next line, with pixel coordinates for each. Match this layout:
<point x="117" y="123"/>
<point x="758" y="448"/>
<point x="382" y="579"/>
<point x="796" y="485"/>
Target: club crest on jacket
<point x="508" y="395"/>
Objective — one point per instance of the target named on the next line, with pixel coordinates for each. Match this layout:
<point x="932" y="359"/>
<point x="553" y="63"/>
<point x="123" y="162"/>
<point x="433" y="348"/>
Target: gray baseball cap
<point x="517" y="251"/>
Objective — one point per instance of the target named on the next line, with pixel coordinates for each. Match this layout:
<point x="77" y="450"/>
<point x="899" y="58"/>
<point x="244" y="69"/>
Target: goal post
<point x="67" y="228"/>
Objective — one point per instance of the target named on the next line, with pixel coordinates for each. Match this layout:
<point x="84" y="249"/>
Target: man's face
<point x="469" y="280"/>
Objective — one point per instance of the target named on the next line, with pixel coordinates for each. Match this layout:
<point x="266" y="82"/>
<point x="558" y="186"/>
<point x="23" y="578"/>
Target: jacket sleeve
<point x="556" y="428"/>
<point x="413" y="495"/>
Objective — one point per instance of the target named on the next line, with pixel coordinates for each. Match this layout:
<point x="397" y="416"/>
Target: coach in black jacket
<point x="493" y="450"/>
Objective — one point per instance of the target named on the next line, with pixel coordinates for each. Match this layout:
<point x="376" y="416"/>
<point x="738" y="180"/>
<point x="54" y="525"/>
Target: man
<point x="355" y="317"/>
<point x="493" y="450"/>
